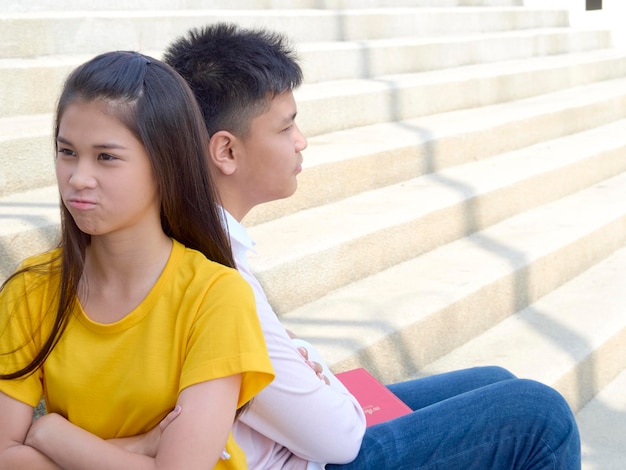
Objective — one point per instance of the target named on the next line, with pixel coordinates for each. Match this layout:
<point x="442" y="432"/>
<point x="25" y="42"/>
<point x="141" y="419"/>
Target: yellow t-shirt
<point x="197" y="323"/>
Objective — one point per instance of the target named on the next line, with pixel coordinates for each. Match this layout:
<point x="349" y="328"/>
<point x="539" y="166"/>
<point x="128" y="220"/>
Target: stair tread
<point x="558" y="332"/>
<point x="28" y="210"/>
<point x="348" y="143"/>
<point x="305" y="47"/>
<point x="311" y="24"/>
<point x="236" y="4"/>
<point x="374" y="210"/>
<point x="366" y="311"/>
<point x="602" y="424"/>
<point x="387" y="153"/>
<point x="457" y="74"/>
<point x="335" y="105"/>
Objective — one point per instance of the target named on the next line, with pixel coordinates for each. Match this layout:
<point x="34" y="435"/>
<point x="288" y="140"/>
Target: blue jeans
<point x="482" y="418"/>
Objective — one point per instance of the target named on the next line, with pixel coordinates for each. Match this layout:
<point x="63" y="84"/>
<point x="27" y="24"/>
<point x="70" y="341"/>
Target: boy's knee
<point x="497" y="373"/>
<point x="544" y="402"/>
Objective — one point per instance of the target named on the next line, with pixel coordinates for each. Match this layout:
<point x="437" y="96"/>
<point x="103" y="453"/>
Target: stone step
<point x="98" y="5"/>
<point x="377" y="229"/>
<point x="323" y="61"/>
<point x="574" y="338"/>
<point x="398" y="321"/>
<point x="26" y="153"/>
<point x="355" y="103"/>
<point x="458" y="138"/>
<point x="602" y="422"/>
<point x="31" y="85"/>
<point x="406" y="146"/>
<point x="388" y="153"/>
<point x="30" y="225"/>
<point x="32" y="34"/>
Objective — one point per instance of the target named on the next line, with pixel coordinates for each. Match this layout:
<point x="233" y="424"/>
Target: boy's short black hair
<point x="234" y="72"/>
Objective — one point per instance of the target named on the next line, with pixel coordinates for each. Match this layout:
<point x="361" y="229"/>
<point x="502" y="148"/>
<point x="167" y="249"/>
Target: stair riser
<point x="33" y="88"/>
<point x="409" y="160"/>
<point x="28" y="161"/>
<point x="391" y="101"/>
<point x="591" y="374"/>
<point x="121" y="5"/>
<point x="90" y="33"/>
<point x="365" y="60"/>
<point x="17" y="247"/>
<point x="368" y="254"/>
<point x="404" y="352"/>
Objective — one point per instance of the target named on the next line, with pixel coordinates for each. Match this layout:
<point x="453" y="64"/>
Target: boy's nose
<point x="301" y="142"/>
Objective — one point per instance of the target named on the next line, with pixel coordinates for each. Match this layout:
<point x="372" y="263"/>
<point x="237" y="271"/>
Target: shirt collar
<point x="236" y="231"/>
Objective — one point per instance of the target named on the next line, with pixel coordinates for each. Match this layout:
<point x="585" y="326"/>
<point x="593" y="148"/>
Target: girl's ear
<point x="221" y="152"/>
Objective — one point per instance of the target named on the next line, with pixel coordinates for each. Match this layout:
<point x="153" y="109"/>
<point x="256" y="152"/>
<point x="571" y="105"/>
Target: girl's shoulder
<point x="42" y="259"/>
<point x="197" y="269"/>
<point x="188" y="257"/>
<point x="41" y="264"/>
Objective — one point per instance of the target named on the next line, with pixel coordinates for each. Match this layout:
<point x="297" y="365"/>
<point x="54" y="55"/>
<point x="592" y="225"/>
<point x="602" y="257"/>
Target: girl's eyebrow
<point x="62" y="140"/>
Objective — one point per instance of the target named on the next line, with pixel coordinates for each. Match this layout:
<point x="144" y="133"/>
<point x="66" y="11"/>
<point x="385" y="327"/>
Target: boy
<point x="248" y="105"/>
<point x="477" y="418"/>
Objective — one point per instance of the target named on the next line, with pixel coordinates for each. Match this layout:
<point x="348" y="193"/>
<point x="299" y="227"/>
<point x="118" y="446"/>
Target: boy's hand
<point x="316" y="366"/>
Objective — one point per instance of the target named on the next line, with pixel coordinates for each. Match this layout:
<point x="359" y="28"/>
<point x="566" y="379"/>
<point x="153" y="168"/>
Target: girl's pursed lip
<point x="82" y="204"/>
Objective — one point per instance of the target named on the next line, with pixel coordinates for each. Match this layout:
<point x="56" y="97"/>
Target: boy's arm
<point x="330" y="422"/>
<point x="210" y="410"/>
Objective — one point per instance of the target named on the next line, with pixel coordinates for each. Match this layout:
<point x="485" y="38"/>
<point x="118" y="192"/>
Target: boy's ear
<point x="221" y="152"/>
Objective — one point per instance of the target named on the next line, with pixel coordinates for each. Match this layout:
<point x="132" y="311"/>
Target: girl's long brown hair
<point x="156" y="104"/>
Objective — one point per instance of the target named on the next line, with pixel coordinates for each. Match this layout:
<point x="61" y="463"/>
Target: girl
<point x="128" y="318"/>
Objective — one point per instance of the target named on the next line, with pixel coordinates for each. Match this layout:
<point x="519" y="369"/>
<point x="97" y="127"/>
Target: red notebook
<point x="377" y="401"/>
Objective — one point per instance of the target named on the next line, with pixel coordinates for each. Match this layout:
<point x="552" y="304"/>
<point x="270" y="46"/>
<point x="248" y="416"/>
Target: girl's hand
<point x="171" y="416"/>
<point x="42" y="427"/>
<point x="147" y="443"/>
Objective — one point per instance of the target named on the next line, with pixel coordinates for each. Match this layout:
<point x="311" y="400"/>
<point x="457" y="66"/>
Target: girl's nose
<point x="82" y="175"/>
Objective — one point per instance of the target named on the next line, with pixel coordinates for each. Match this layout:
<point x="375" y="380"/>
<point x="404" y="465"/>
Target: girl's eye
<point x="106" y="157"/>
<point x="287" y="129"/>
<point x="66" y="151"/>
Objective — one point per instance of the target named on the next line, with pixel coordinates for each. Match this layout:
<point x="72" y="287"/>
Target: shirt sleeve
<point x="226" y="338"/>
<point x="23" y="329"/>
<point x="316" y="422"/>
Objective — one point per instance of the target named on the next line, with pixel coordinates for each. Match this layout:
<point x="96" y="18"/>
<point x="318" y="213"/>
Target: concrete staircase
<point x="464" y="194"/>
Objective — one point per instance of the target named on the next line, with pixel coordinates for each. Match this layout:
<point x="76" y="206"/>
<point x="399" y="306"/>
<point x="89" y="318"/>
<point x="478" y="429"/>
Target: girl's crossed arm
<point x="195" y="439"/>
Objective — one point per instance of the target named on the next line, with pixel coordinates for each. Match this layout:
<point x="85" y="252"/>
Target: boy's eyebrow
<point x="290" y="118"/>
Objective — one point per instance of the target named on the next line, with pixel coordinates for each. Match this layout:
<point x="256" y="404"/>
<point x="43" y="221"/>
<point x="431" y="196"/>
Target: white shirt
<point x="297" y="420"/>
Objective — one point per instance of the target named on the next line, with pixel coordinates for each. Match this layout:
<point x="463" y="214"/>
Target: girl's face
<point x="104" y="172"/>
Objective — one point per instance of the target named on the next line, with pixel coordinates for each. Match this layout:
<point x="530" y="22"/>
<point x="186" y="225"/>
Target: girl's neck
<point x="119" y="274"/>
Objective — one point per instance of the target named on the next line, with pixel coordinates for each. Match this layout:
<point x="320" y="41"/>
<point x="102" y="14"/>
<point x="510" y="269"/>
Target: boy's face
<point x="269" y="158"/>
